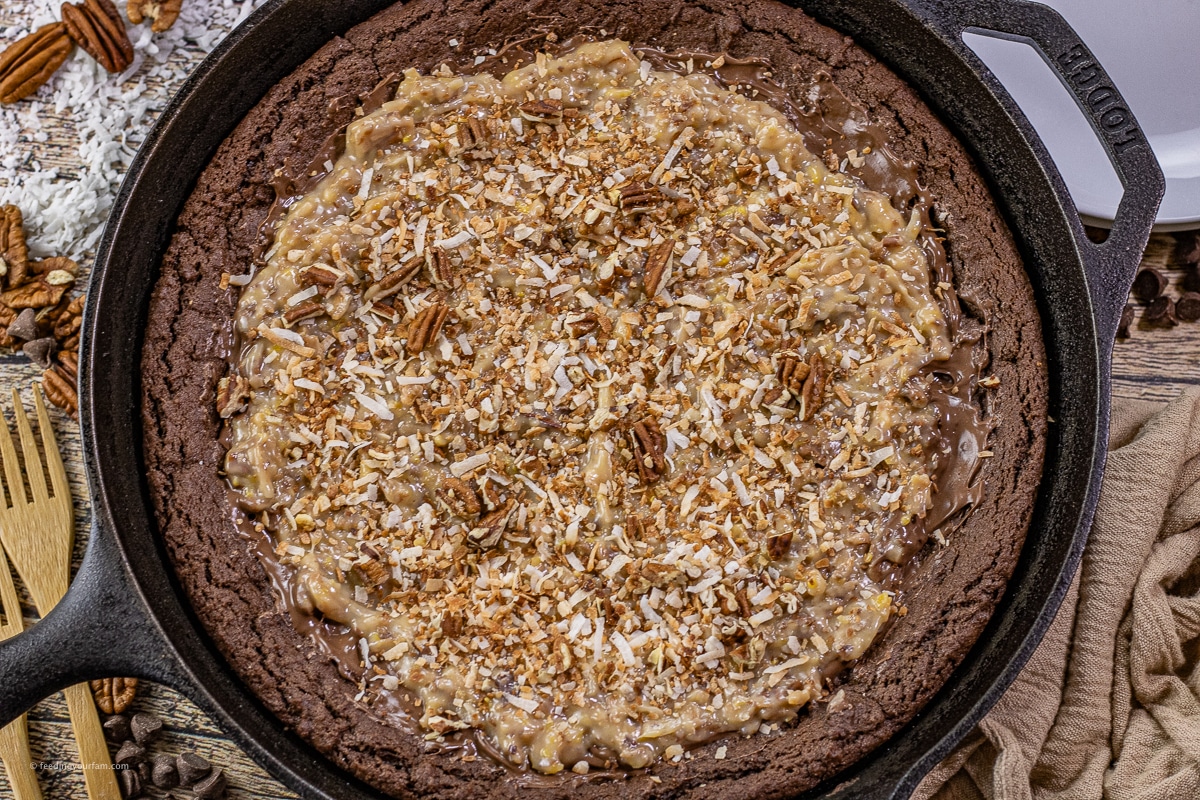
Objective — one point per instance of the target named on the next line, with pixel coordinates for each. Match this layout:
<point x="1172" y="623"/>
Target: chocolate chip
<point x="143" y="771"/>
<point x="41" y="351"/>
<point x="145" y="727"/>
<point x="131" y="783"/>
<point x="1187" y="307"/>
<point x="24" y="327"/>
<point x="213" y="787"/>
<point x="116" y="728"/>
<point x="1149" y="284"/>
<point x="1189" y="249"/>
<point x="1161" y="311"/>
<point x="191" y="768"/>
<point x="164" y="775"/>
<point x="130" y="753"/>
<point x="1126" y="321"/>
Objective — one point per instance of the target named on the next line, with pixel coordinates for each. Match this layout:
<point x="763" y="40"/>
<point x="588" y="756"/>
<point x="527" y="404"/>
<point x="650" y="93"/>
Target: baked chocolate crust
<point x="950" y="594"/>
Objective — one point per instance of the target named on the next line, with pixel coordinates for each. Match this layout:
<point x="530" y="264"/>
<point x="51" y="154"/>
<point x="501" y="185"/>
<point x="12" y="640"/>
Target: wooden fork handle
<point x="18" y="761"/>
<point x="98" y="774"/>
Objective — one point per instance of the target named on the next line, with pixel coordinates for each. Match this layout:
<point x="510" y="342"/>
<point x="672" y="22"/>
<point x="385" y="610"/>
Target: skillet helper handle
<point x="1113" y="264"/>
<point x="101" y="628"/>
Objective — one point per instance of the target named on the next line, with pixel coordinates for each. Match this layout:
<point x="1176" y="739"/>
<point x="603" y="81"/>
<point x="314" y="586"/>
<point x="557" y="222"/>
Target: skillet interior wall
<point x="189" y="336"/>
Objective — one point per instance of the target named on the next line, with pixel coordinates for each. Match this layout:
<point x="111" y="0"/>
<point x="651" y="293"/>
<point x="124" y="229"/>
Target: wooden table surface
<point x="1153" y="364"/>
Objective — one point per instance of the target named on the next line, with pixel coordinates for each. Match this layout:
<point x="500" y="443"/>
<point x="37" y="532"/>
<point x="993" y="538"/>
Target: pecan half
<point x="114" y="695"/>
<point x="638" y="197"/>
<point x="304" y="311"/>
<point x="648" y="449"/>
<point x="60" y="391"/>
<point x="13" y="251"/>
<point x="232" y="393"/>
<point x="657" y="261"/>
<point x="68" y="364"/>
<point x="426" y="327"/>
<point x="97" y="27"/>
<point x="70" y="320"/>
<point x="391" y="283"/>
<point x="459" y="497"/>
<point x="162" y="13"/>
<point x="542" y="108"/>
<point x="34" y="294"/>
<point x="31" y="60"/>
<point x="791" y="373"/>
<point x="487" y="533"/>
<point x="814" y="388"/>
<point x="48" y="266"/>
<point x="779" y="544"/>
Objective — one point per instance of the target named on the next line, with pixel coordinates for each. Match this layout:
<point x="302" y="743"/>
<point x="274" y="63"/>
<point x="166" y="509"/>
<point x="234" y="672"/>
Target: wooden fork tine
<point x="9" y="604"/>
<point x="54" y="464"/>
<point x="12" y="467"/>
<point x="33" y="459"/>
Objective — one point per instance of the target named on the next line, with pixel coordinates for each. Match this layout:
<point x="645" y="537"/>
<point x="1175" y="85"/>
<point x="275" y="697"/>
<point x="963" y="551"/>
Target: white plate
<point x="1150" y="51"/>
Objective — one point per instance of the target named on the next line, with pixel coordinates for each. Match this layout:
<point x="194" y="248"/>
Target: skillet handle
<point x="1113" y="264"/>
<point x="101" y="628"/>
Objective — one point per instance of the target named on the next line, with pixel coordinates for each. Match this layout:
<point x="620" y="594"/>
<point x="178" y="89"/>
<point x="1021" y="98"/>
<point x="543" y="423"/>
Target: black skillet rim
<point x="111" y="418"/>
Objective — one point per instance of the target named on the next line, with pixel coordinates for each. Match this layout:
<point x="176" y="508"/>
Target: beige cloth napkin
<point x="1109" y="704"/>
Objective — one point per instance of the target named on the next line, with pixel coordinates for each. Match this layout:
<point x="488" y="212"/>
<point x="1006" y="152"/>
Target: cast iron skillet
<point x="125" y="615"/>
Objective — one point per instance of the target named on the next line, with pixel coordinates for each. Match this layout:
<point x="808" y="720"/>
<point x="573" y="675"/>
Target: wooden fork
<point x="14" y="740"/>
<point x="38" y="532"/>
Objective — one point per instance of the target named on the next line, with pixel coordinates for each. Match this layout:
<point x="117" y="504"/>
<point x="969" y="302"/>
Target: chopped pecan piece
<point x="439" y="264"/>
<point x="589" y="322"/>
<point x="392" y="282"/>
<point x="648" y="448"/>
<point x="487" y="533"/>
<point x="232" y="393"/>
<point x="13" y="252"/>
<point x="30" y="61"/>
<point x="814" y="388"/>
<point x="96" y="26"/>
<point x="370" y="573"/>
<point x="635" y="527"/>
<point x="743" y="603"/>
<point x="318" y="276"/>
<point x="779" y="544"/>
<point x="791" y="373"/>
<point x="426" y="327"/>
<point x="637" y="197"/>
<point x="304" y="311"/>
<point x="452" y="624"/>
<point x="459" y="497"/>
<point x="163" y="13"/>
<point x="540" y="109"/>
<point x="657" y="261"/>
<point x="472" y="132"/>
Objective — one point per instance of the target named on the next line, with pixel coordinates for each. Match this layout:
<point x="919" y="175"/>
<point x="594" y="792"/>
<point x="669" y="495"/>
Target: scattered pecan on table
<point x="96" y="26"/>
<point x="30" y="61"/>
<point x="37" y="313"/>
<point x="114" y="695"/>
<point x="161" y="13"/>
